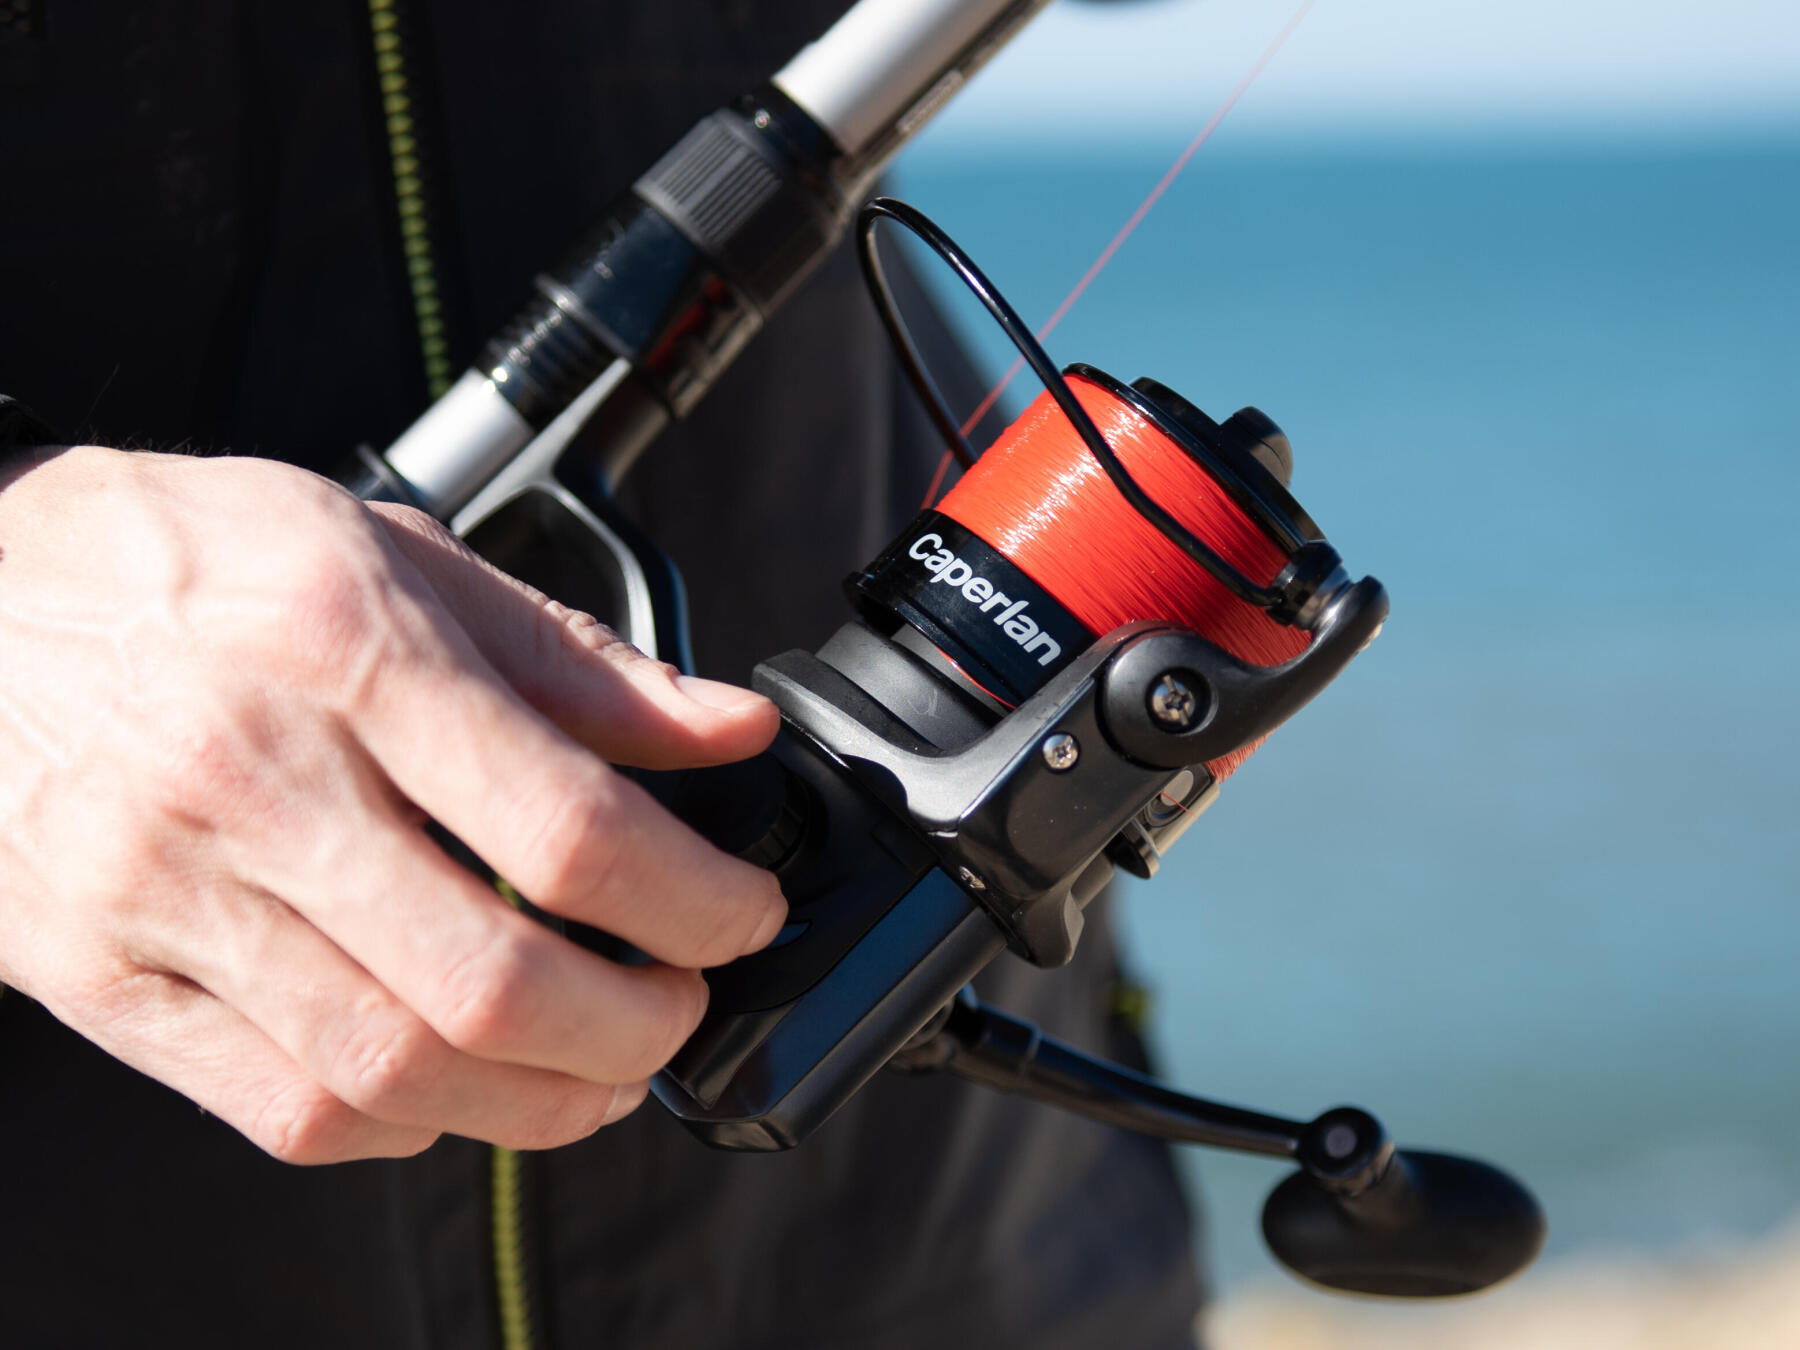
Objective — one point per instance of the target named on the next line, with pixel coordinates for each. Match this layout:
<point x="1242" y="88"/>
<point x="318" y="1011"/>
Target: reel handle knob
<point x="1363" y="1217"/>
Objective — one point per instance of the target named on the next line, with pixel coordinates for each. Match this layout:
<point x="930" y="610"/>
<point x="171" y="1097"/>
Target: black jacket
<point x="199" y="246"/>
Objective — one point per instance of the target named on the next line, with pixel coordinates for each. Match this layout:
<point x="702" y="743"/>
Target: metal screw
<point x="1173" y="701"/>
<point x="1061" y="750"/>
<point x="970" y="880"/>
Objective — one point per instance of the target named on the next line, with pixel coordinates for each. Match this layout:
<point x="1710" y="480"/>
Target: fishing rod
<point x="1046" y="679"/>
<point x="631" y="329"/>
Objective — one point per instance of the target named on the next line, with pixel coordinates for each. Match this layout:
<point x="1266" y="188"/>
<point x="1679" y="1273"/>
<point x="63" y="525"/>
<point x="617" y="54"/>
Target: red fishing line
<point x="1039" y="497"/>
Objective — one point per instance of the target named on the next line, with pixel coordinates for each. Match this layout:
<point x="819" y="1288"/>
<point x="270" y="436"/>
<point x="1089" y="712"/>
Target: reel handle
<point x="1357" y="1216"/>
<point x="1431" y="1226"/>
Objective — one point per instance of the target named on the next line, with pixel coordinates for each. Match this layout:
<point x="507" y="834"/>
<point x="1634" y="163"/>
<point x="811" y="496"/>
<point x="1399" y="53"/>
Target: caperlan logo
<point x="1012" y="620"/>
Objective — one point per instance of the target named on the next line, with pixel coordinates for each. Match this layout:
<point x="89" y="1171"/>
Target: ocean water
<point x="1526" y="881"/>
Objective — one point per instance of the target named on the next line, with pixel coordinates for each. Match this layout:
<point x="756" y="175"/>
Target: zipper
<point x="507" y="1204"/>
<point x="506" y="1193"/>
<point x="508" y="1251"/>
<point x="406" y="157"/>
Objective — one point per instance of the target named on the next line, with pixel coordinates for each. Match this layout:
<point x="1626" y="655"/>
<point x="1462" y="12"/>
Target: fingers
<point x="576" y="838"/>
<point x="309" y="688"/>
<point x="601" y="690"/>
<point x="487" y="980"/>
<point x="370" y="1051"/>
<point x="181" y="1035"/>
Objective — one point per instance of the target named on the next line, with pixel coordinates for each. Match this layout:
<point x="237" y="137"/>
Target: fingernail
<point x="715" y="694"/>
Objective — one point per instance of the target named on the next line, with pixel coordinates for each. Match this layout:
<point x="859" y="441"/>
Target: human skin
<point x="230" y="697"/>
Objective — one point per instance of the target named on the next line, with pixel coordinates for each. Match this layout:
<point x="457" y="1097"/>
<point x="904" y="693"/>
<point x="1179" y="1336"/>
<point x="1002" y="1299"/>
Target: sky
<point x="1089" y="70"/>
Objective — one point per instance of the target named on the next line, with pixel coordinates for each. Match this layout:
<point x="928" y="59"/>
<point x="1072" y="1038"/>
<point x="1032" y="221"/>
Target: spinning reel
<point x="1045" y="680"/>
<point x="963" y="766"/>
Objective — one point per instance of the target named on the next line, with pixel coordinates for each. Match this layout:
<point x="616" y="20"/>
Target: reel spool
<point x="1033" y="554"/>
<point x="1104" y="504"/>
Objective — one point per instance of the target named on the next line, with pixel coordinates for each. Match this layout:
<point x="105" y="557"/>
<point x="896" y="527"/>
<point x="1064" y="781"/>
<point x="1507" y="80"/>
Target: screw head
<point x="1173" y="702"/>
<point x="1061" y="750"/>
<point x="970" y="879"/>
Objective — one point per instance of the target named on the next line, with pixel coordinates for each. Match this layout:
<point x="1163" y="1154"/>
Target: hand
<point x="230" y="694"/>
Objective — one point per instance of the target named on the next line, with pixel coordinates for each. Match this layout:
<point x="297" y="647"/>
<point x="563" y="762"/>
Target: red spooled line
<point x="1039" y="497"/>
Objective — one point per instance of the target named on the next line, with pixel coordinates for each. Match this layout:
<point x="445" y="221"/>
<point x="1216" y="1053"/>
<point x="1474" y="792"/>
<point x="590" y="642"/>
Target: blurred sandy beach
<point x="1730" y="1297"/>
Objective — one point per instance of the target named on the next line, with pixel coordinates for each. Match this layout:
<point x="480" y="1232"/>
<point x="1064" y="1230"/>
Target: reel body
<point x="920" y="825"/>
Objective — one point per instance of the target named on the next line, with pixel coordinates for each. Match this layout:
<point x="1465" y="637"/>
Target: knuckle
<point x="582" y="628"/>
<point x="209" y="768"/>
<point x="580" y="838"/>
<point x="333" y="612"/>
<point x="305" y="1125"/>
<point x="629" y="659"/>
<point x="327" y="608"/>
<point x="489" y="998"/>
<point x="379" y="1070"/>
<point x="594" y="638"/>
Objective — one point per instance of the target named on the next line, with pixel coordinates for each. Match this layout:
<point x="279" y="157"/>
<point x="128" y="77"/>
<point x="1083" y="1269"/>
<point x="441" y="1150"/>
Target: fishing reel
<point x="965" y="764"/>
<point x="1046" y="678"/>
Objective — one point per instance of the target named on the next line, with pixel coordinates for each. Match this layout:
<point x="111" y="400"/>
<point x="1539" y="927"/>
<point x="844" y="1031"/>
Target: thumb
<point x="592" y="683"/>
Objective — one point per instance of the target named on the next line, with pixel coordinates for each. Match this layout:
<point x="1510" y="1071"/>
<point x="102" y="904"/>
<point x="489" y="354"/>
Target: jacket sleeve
<point x="20" y="427"/>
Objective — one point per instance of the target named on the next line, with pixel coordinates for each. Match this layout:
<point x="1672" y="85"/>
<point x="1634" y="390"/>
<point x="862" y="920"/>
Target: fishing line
<point x="1039" y="498"/>
<point x="1124" y="233"/>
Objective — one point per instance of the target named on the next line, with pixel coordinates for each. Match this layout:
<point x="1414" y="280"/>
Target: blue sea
<point x="1526" y="881"/>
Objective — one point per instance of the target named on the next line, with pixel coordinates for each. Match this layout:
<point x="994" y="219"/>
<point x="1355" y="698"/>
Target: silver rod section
<point x="458" y="444"/>
<point x="535" y="465"/>
<point x="882" y="70"/>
